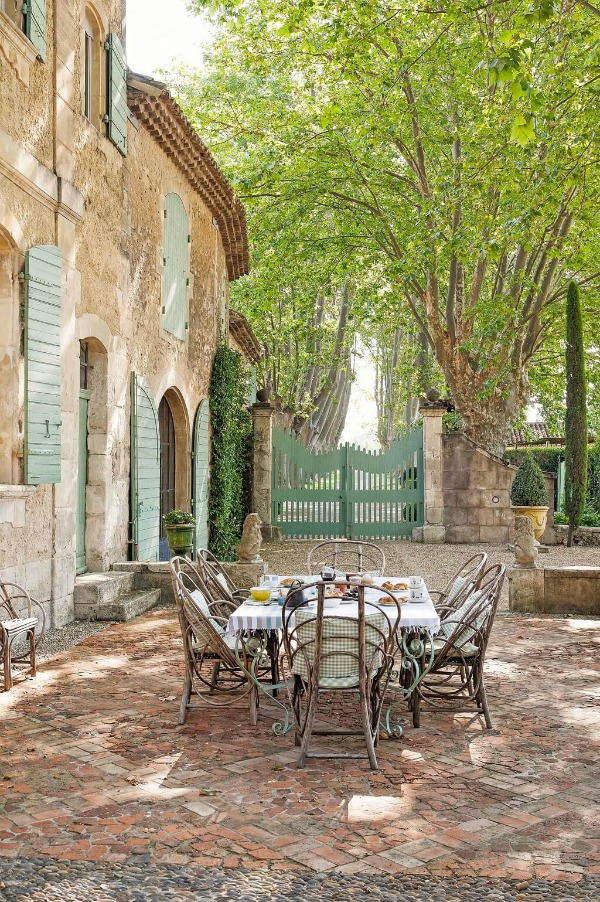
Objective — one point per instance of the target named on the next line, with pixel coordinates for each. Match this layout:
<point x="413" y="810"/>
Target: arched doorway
<point x="168" y="452"/>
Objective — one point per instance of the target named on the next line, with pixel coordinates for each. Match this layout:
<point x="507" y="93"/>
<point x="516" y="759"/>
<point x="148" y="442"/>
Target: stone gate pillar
<point x="433" y="529"/>
<point x="262" y="420"/>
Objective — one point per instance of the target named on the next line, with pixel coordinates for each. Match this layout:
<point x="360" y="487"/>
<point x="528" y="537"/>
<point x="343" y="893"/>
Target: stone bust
<point x="248" y="551"/>
<point x="525" y="548"/>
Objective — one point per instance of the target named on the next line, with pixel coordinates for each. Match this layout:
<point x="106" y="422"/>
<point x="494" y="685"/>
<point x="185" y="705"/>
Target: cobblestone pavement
<point x="37" y="880"/>
<point x="93" y="768"/>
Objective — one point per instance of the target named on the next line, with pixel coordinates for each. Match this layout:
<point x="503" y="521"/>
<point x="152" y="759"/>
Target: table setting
<point x="261" y="614"/>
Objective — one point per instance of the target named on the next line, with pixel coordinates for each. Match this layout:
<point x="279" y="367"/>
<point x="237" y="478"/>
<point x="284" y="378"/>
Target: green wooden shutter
<point x="35" y="25"/>
<point x="42" y="365"/>
<point x="175" y="266"/>
<point x="145" y="472"/>
<point x="116" y="115"/>
<point x="200" y="475"/>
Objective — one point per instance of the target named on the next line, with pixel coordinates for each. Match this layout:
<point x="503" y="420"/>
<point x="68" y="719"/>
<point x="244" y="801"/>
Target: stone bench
<point x="555" y="590"/>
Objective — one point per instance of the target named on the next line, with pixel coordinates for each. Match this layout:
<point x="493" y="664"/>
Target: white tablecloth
<point x="421" y="614"/>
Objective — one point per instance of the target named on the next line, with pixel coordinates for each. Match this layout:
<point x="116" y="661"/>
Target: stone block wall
<point x="477" y="493"/>
<point x="556" y="590"/>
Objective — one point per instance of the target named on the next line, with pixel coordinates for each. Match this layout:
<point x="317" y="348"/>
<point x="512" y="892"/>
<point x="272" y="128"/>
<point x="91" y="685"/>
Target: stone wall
<point x="477" y="493"/>
<point x="62" y="182"/>
<point x="555" y="590"/>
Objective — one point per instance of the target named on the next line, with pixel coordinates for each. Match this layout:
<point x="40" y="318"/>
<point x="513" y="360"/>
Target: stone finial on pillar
<point x="262" y="461"/>
<point x="433" y="529"/>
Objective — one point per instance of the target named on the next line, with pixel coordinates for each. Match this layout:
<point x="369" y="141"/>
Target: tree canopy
<point x="441" y="157"/>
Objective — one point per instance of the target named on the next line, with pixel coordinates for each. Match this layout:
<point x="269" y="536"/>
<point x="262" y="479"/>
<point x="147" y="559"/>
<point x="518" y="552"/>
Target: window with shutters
<point x="175" y="266"/>
<point x="116" y="93"/>
<point x="93" y="63"/>
<point x="14" y="10"/>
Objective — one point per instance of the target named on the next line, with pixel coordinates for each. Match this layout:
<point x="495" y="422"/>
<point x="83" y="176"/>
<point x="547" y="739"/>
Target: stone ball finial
<point x="248" y="551"/>
<point x="433" y="395"/>
<point x="525" y="548"/>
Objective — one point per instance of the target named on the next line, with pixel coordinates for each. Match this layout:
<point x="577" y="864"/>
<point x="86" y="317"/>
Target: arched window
<point x="176" y="274"/>
<point x="93" y="67"/>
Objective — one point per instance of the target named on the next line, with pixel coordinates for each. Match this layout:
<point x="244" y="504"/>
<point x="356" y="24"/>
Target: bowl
<point x="332" y="601"/>
<point x="261" y="593"/>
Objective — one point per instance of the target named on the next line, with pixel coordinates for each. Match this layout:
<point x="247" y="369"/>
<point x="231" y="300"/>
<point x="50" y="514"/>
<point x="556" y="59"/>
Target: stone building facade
<point x="119" y="237"/>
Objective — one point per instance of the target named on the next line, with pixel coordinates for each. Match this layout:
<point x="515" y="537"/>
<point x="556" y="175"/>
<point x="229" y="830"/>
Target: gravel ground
<point x="435" y="563"/>
<point x="43" y="880"/>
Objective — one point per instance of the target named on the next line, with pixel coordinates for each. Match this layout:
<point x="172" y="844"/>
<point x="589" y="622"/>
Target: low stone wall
<point x="555" y="590"/>
<point x="477" y="494"/>
<point x="588" y="536"/>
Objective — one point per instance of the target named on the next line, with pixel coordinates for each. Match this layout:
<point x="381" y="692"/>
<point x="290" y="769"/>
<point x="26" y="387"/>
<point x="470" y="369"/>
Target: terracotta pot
<point x="537" y="515"/>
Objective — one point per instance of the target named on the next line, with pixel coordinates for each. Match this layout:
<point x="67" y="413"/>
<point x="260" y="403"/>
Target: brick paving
<point x="94" y="768"/>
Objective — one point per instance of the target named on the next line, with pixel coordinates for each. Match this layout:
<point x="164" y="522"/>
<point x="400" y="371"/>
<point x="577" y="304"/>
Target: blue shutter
<point x="145" y="472"/>
<point x="116" y="116"/>
<point x="35" y="25"/>
<point x="200" y="475"/>
<point x="42" y="365"/>
<point x="175" y="266"/>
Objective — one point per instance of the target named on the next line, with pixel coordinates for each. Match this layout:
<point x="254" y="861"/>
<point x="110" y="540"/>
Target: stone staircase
<point x="112" y="596"/>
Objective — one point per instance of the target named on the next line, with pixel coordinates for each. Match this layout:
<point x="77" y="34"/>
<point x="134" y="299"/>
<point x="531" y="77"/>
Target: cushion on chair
<point x="466" y="650"/>
<point x="20" y="625"/>
<point x="339" y="649"/>
<point x="450" y="623"/>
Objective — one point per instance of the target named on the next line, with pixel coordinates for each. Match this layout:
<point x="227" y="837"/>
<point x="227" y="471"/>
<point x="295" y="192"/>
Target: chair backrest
<point x="334" y="650"/>
<point x="348" y="556"/>
<point x="468" y="576"/>
<point x="196" y="615"/>
<point x="15" y="600"/>
<point x="216" y="580"/>
<point x="469" y="623"/>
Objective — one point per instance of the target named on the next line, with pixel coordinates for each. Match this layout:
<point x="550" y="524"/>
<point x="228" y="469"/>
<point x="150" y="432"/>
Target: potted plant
<point x="180" y="526"/>
<point x="529" y="495"/>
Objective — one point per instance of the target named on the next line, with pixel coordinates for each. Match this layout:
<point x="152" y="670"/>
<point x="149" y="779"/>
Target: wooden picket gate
<point x="348" y="492"/>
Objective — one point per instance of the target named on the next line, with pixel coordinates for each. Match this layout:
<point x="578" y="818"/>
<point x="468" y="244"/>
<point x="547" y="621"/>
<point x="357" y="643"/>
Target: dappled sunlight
<point x="372" y="809"/>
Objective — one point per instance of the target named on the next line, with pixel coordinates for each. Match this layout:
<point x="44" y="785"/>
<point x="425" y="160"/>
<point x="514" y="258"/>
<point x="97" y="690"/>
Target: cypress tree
<point x="576" y="415"/>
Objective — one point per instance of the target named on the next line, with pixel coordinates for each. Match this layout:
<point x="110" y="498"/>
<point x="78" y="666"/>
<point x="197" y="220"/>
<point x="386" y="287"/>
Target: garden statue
<point x="525" y="547"/>
<point x="248" y="551"/>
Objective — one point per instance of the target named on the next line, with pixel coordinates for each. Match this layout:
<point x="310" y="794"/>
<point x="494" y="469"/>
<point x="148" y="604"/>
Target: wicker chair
<point x="217" y="580"/>
<point x="348" y="556"/>
<point x="22" y="624"/>
<point x="217" y="669"/>
<point x="338" y="654"/>
<point x="467" y="577"/>
<point x="455" y="679"/>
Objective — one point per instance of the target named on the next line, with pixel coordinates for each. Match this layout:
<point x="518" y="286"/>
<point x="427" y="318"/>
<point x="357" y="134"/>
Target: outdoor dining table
<point x="419" y="623"/>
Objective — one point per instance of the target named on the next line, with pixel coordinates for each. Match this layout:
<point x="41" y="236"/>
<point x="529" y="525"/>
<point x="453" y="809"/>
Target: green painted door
<point x="145" y="472"/>
<point x="82" y="470"/>
<point x="200" y="474"/>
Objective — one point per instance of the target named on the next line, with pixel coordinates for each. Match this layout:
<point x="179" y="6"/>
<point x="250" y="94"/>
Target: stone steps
<point x="111" y="596"/>
<point x="129" y="605"/>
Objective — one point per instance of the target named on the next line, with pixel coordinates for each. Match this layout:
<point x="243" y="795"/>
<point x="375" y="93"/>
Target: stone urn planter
<point x="180" y="526"/>
<point x="529" y="495"/>
<point x="537" y="515"/>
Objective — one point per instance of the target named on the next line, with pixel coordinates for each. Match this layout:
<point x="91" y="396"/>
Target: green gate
<point x="348" y="492"/>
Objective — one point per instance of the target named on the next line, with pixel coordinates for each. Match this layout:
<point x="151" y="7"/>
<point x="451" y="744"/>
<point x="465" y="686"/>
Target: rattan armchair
<point x="347" y="556"/>
<point x="22" y="625"/>
<point x="455" y="679"/>
<point x="217" y="580"/>
<point x="466" y="578"/>
<point x="218" y="669"/>
<point x="327" y="652"/>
